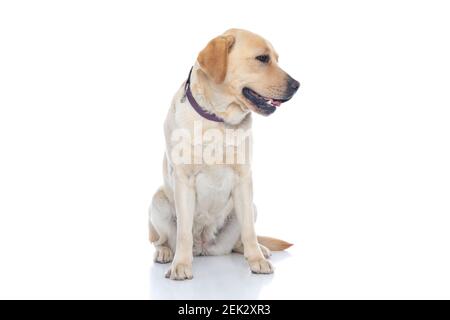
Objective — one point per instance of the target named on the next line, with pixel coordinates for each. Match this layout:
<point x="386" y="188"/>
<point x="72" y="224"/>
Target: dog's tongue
<point x="275" y="103"/>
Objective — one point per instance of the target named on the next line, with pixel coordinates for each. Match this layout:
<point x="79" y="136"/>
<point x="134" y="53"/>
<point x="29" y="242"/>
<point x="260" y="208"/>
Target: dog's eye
<point x="263" y="58"/>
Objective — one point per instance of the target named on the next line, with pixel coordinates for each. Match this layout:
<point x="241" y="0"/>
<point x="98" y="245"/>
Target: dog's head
<point x="245" y="66"/>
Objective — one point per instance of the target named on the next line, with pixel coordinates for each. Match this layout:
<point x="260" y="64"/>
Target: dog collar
<point x="205" y="114"/>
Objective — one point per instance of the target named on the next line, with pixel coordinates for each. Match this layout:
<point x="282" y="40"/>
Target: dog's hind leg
<point x="162" y="227"/>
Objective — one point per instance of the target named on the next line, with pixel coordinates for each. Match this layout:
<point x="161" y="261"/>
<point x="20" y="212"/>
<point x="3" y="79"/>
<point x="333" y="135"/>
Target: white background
<point x="360" y="184"/>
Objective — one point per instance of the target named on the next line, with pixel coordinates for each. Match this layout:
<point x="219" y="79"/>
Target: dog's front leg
<point x="243" y="204"/>
<point x="184" y="195"/>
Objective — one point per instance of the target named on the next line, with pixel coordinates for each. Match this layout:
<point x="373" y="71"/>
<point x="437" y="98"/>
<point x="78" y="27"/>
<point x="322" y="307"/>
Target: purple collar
<point x="205" y="114"/>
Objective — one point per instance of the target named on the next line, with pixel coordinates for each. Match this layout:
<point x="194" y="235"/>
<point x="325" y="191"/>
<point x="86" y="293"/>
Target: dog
<point x="206" y="207"/>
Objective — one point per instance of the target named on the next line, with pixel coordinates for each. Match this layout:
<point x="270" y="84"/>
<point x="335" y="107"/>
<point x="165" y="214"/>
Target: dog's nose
<point x="294" y="84"/>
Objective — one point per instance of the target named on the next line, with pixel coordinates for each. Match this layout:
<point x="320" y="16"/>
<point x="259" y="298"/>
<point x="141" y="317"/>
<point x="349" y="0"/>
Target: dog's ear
<point x="214" y="58"/>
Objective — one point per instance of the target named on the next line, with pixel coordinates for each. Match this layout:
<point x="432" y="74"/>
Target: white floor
<point x="329" y="270"/>
<point x="224" y="277"/>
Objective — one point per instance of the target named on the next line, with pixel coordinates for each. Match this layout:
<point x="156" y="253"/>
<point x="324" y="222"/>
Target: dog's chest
<point x="213" y="189"/>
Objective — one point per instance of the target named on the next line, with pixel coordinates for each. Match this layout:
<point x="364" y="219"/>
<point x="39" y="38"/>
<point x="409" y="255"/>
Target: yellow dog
<point x="205" y="206"/>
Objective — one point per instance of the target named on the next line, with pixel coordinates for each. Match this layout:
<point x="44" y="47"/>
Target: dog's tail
<point x="274" y="244"/>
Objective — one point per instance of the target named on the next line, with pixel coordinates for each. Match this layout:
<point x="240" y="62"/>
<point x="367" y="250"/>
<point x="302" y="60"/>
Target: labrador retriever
<point x="205" y="206"/>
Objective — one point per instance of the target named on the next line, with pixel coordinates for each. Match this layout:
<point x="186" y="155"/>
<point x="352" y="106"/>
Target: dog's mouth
<point x="263" y="104"/>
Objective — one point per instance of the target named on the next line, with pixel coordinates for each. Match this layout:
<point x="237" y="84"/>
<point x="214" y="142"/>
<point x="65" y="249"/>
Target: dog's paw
<point x="163" y="255"/>
<point x="266" y="252"/>
<point x="261" y="266"/>
<point x="179" y="271"/>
